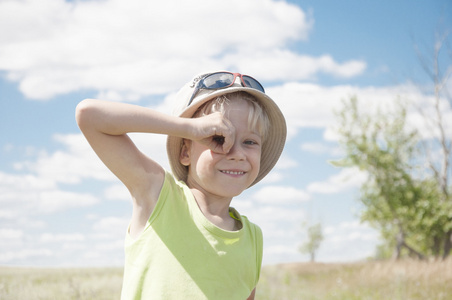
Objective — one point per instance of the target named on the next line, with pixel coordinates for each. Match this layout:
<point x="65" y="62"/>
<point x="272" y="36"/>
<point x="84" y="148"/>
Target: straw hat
<point x="274" y="140"/>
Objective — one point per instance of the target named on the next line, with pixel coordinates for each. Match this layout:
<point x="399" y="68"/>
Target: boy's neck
<point x="215" y="209"/>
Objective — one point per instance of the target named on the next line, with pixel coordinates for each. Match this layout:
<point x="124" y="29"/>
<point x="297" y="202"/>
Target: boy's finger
<point x="228" y="142"/>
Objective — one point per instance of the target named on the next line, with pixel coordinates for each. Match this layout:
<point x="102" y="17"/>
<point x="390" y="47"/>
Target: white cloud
<point x="76" y="161"/>
<point x="321" y="148"/>
<point x="286" y="162"/>
<point x="278" y="172"/>
<point x="70" y="164"/>
<point x="25" y="255"/>
<point x="27" y="194"/>
<point x="424" y="117"/>
<point x="112" y="224"/>
<point x="7" y="235"/>
<point x="154" y="146"/>
<point x="269" y="214"/>
<point x="57" y="200"/>
<point x="135" y="48"/>
<point x="272" y="177"/>
<point x="126" y="51"/>
<point x="278" y="211"/>
<point x="286" y="65"/>
<point x="307" y="105"/>
<point x="315" y="147"/>
<point x="117" y="192"/>
<point x="348" y="241"/>
<point x="280" y="195"/>
<point x="348" y="178"/>
<point x="60" y="238"/>
<point x="280" y="253"/>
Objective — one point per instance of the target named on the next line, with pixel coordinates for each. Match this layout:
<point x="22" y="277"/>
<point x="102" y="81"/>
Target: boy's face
<point x="227" y="175"/>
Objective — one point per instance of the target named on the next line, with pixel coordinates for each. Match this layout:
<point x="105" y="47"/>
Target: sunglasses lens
<point x="252" y="83"/>
<point x="218" y="80"/>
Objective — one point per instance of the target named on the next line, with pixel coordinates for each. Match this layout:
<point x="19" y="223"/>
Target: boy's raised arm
<point x="105" y="125"/>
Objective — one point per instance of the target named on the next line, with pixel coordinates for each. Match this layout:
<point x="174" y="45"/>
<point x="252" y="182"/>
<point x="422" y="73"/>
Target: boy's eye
<point x="250" y="142"/>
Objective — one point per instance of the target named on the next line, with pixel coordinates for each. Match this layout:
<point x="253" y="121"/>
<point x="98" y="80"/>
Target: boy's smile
<point x="226" y="175"/>
<point x="233" y="173"/>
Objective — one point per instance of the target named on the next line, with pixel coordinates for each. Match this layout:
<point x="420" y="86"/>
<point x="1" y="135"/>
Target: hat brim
<point x="273" y="144"/>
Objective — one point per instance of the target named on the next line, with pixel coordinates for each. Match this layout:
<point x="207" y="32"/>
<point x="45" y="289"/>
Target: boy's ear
<point x="184" y="157"/>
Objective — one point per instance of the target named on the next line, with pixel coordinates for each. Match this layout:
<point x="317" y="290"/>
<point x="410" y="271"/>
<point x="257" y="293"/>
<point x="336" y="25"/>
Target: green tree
<point x="408" y="197"/>
<point x="315" y="238"/>
<point x="399" y="201"/>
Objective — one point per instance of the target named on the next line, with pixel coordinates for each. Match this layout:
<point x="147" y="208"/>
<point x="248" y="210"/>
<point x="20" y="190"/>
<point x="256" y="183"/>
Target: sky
<point x="59" y="206"/>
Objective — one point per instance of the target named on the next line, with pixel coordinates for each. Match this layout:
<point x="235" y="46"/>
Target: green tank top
<point x="182" y="255"/>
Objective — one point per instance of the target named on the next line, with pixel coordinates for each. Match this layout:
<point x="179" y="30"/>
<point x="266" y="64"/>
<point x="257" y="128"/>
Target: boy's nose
<point x="236" y="152"/>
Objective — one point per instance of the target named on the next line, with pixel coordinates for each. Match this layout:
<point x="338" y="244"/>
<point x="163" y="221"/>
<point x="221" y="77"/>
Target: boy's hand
<point x="215" y="131"/>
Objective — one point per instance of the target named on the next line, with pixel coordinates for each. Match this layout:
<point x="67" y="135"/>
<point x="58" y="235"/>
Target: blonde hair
<point x="257" y="119"/>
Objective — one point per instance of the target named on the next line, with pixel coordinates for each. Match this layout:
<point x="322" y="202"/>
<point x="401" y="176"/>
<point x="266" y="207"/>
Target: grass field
<point x="405" y="280"/>
<point x="367" y="280"/>
<point x="61" y="284"/>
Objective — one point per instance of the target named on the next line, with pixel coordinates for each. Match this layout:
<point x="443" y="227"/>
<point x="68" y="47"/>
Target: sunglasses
<point x="221" y="80"/>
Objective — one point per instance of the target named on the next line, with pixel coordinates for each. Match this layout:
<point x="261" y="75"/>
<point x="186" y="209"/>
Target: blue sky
<point x="60" y="207"/>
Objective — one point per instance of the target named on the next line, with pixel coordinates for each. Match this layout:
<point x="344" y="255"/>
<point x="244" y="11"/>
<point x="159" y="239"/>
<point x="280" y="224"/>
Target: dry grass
<point x="367" y="280"/>
<point x="73" y="284"/>
<point x="405" y="280"/>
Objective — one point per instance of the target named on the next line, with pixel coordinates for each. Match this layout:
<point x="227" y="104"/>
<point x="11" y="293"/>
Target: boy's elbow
<point x="82" y="112"/>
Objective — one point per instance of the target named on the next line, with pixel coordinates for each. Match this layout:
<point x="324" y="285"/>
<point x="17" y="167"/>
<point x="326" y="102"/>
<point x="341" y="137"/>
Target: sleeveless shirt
<point x="182" y="255"/>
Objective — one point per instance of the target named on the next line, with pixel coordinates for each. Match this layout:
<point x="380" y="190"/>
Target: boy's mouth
<point x="232" y="172"/>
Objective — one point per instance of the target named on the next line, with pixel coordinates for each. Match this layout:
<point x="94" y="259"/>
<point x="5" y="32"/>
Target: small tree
<point x="315" y="238"/>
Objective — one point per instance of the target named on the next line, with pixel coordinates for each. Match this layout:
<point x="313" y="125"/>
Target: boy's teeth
<point x="233" y="173"/>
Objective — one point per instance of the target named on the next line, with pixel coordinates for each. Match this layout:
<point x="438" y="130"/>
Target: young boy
<point x="184" y="241"/>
